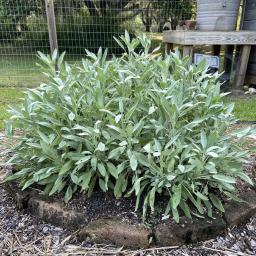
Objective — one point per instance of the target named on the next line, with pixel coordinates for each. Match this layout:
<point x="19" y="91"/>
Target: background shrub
<point x="90" y="33"/>
<point x="75" y="34"/>
<point x="140" y="125"/>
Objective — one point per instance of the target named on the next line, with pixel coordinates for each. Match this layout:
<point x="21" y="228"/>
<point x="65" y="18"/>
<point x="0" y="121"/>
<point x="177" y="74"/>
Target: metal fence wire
<point x="80" y="24"/>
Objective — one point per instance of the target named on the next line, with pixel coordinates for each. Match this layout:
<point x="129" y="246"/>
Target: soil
<point x="101" y="205"/>
<point x="21" y="234"/>
<point x="104" y="205"/>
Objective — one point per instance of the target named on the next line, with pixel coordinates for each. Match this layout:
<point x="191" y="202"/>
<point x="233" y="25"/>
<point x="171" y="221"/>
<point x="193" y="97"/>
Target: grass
<point x="8" y="96"/>
<point x="245" y="109"/>
<point x="19" y="71"/>
<point x="22" y="72"/>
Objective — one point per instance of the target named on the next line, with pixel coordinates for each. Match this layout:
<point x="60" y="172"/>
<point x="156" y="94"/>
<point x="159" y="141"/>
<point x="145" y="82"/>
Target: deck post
<point x="188" y="51"/>
<point x="241" y="68"/>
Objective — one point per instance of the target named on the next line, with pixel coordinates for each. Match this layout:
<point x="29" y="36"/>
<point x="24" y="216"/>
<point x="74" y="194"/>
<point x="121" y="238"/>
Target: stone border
<point x="120" y="233"/>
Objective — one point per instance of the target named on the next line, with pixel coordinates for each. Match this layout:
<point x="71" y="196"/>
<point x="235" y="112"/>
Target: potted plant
<point x="217" y="15"/>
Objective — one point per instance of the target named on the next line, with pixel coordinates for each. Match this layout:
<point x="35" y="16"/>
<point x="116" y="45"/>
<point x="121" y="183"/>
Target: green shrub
<point x="90" y="33"/>
<point x="138" y="125"/>
<point x="75" y="33"/>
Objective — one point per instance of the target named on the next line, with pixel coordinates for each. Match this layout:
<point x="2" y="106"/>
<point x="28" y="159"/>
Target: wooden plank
<point x="241" y="68"/>
<point x="174" y="36"/>
<point x="51" y="25"/>
<point x="210" y="37"/>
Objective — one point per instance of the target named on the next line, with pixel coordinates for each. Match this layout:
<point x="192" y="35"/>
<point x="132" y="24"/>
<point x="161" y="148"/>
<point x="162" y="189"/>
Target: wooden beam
<point x="210" y="37"/>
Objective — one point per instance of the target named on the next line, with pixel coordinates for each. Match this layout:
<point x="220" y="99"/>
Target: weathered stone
<point x="55" y="213"/>
<point x="188" y="231"/>
<point x="237" y="212"/>
<point x="2" y="175"/>
<point x="20" y="197"/>
<point x="116" y="232"/>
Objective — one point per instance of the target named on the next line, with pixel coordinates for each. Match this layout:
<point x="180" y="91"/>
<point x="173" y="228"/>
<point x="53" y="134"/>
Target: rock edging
<point x="121" y="233"/>
<point x="116" y="232"/>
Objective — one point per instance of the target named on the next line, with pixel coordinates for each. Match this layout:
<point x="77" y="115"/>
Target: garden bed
<point x="100" y="222"/>
<point x="21" y="231"/>
<point x="103" y="219"/>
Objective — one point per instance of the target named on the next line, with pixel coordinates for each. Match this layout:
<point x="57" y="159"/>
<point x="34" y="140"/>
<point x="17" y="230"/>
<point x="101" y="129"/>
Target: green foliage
<point x="95" y="32"/>
<point x="79" y="25"/>
<point x="85" y="24"/>
<point x="172" y="10"/>
<point x="13" y="14"/>
<point x="138" y="125"/>
<point x="76" y="33"/>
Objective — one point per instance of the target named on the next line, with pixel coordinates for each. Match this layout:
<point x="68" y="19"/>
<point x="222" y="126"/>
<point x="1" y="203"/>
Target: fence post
<point x="51" y="25"/>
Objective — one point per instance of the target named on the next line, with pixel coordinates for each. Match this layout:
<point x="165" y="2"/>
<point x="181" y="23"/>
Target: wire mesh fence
<point x="80" y="24"/>
<point x="23" y="28"/>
